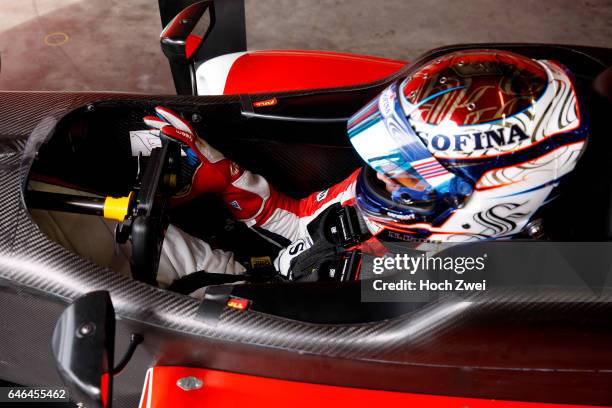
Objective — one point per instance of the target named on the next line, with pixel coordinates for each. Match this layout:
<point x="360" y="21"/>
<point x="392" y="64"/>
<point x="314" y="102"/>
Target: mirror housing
<point x="185" y="33"/>
<point x="225" y="34"/>
<point x="83" y="346"/>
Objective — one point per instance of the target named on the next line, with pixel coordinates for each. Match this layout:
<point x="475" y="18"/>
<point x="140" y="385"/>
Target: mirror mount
<point x="135" y="340"/>
<point x="185" y="33"/>
<point x="226" y="34"/>
<point x="181" y="40"/>
<point x="83" y="345"/>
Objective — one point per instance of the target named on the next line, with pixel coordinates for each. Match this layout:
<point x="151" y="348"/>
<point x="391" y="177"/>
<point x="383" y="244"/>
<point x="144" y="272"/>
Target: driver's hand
<point x="211" y="171"/>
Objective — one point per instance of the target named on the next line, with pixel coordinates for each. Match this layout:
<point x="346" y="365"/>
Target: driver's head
<point x="469" y="144"/>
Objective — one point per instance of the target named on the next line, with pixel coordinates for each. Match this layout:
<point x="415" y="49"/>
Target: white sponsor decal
<point x="386" y="103"/>
<point x="142" y="142"/>
<point x="321" y="196"/>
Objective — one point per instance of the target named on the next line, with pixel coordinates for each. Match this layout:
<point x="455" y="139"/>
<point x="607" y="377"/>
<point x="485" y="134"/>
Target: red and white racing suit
<point x="252" y="200"/>
<point x="261" y="206"/>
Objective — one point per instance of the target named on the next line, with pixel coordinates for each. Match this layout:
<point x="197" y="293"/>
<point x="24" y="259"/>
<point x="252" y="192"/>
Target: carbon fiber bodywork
<point x="553" y="352"/>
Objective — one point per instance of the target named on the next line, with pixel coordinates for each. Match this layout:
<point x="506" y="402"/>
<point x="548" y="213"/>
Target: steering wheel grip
<point x="147" y="239"/>
<point x="147" y="224"/>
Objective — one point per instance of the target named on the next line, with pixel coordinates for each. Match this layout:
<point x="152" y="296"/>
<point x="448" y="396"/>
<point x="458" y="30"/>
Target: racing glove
<point x="210" y="172"/>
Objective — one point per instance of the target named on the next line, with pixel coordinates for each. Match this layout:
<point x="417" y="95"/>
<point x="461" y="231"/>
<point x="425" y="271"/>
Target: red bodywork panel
<point x="192" y="44"/>
<point x="228" y="390"/>
<point x="104" y="389"/>
<point x="274" y="71"/>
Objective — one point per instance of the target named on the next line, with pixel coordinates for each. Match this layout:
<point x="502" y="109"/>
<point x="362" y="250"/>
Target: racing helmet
<point x="475" y="143"/>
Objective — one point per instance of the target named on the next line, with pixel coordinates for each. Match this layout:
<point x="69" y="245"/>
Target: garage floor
<point x="114" y="44"/>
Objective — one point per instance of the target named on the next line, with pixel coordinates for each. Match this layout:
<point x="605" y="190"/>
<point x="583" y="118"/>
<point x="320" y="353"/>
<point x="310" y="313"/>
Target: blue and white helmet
<point x="476" y="142"/>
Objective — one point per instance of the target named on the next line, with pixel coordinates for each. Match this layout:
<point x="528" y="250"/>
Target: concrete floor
<point x="114" y="44"/>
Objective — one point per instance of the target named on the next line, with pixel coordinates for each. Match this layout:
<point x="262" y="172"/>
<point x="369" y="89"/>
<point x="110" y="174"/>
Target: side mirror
<point x="83" y="346"/>
<point x="186" y="32"/>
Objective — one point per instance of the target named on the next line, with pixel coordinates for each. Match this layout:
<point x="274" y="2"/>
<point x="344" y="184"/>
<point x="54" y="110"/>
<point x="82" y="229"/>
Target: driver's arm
<point x="248" y="196"/>
<point x="285" y="216"/>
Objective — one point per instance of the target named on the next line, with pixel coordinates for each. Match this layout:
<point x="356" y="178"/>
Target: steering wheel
<point x="146" y="222"/>
<point x="142" y="215"/>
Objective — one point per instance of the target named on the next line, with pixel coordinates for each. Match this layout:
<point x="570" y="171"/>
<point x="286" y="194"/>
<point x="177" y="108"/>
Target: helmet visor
<point x="383" y="137"/>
